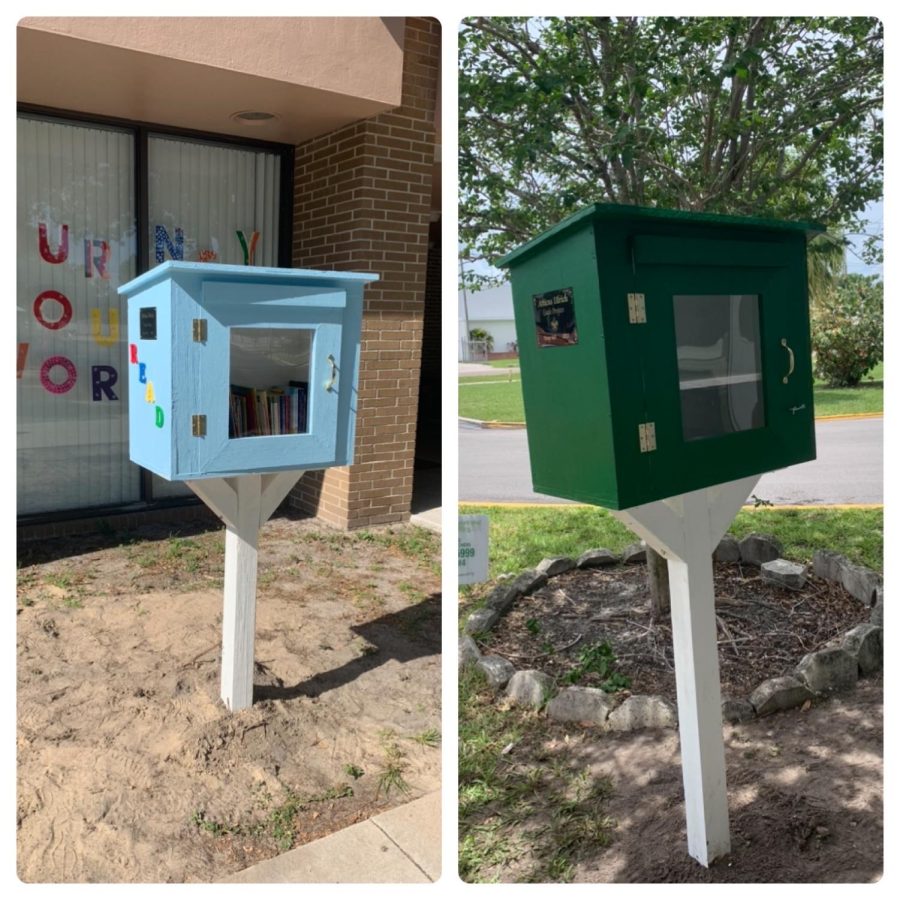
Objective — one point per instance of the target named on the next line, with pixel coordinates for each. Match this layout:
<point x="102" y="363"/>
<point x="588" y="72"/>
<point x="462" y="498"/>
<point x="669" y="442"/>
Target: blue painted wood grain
<point x="193" y="378"/>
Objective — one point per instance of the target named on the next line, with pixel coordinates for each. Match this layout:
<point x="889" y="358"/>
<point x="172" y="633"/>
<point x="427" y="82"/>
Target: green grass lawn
<point x="520" y="537"/>
<point x="528" y="821"/>
<point x="495" y="402"/>
<point x="502" y="401"/>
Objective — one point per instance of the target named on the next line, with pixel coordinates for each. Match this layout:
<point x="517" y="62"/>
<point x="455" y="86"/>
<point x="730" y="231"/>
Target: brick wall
<point x="362" y="203"/>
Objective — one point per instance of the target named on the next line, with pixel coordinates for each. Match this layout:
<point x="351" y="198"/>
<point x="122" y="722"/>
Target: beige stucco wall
<point x="361" y="57"/>
<point x="314" y="74"/>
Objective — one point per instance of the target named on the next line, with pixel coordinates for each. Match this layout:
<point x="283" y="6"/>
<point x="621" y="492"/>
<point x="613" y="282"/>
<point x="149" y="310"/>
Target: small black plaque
<point x="148" y="323"/>
<point x="554" y="318"/>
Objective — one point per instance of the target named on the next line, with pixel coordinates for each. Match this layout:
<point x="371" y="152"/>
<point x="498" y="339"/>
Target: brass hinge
<point x="637" y="309"/>
<point x="199" y="330"/>
<point x="198" y="426"/>
<point x="647" y="436"/>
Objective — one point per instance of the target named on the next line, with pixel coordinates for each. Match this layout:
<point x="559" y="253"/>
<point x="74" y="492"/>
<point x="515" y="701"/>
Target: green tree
<point x="755" y="116"/>
<point x="848" y="330"/>
<point x="479" y="334"/>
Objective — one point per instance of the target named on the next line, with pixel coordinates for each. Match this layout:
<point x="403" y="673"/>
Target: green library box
<point x="662" y="352"/>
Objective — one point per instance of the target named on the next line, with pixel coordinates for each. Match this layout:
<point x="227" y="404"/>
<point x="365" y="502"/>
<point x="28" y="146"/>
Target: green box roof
<point x="614" y="212"/>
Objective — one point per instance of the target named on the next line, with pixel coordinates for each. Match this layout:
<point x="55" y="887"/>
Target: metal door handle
<point x="329" y="385"/>
<point x="790" y="370"/>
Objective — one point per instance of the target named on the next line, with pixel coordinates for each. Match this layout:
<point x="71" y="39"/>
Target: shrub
<point x="848" y="330"/>
<point x="479" y="334"/>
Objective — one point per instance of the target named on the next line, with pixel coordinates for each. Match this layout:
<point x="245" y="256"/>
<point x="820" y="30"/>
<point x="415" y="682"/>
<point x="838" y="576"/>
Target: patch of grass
<point x="504" y="363"/>
<point x="857" y="533"/>
<point x="73" y="603"/>
<point x="279" y="825"/>
<point x="526" y="813"/>
<point x="417" y="544"/>
<point x="391" y="776"/>
<point x="216" y="829"/>
<point x="485" y="847"/>
<point x="429" y="738"/>
<point x="867" y="398"/>
<point x="62" y="580"/>
<point x="520" y="537"/>
<point x="501" y="402"/>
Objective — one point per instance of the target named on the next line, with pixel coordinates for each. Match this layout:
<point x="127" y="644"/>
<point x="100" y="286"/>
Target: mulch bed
<point x="763" y="630"/>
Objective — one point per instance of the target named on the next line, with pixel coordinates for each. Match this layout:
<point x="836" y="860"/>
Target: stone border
<point x="836" y="667"/>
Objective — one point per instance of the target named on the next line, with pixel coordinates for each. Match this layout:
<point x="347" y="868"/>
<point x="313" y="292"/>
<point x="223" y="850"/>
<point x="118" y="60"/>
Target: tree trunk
<point x="658" y="580"/>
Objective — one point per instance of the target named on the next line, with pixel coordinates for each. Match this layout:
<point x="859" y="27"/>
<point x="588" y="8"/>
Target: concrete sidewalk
<point x="402" y="845"/>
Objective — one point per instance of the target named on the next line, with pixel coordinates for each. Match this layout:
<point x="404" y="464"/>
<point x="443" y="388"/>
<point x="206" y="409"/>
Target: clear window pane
<point x="269" y="381"/>
<point x="719" y="365"/>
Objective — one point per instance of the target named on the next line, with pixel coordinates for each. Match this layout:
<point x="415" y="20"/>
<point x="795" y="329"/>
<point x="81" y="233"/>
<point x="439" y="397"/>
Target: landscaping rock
<point x="530" y="688"/>
<point x="468" y="651"/>
<point x="776" y="694"/>
<point x="827" y="670"/>
<point x="877" y="616"/>
<point x="555" y="565"/>
<point x="860" y="582"/>
<point x="481" y="620"/>
<point x="504" y="595"/>
<point x="785" y="573"/>
<point x="865" y="644"/>
<point x="635" y="553"/>
<point x="735" y="711"/>
<point x="497" y="670"/>
<point x="591" y="559"/>
<point x="827" y="564"/>
<point x="580" y="704"/>
<point x="759" y="548"/>
<point x="642" y="711"/>
<point x="728" y="550"/>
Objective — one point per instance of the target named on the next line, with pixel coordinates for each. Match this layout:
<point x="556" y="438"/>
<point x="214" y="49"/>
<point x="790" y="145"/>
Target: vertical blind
<point x="214" y="203"/>
<point x="211" y="202"/>
<point x="76" y="245"/>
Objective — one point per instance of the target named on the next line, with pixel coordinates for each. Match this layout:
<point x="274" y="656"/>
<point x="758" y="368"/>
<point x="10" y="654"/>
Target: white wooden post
<point x="685" y="530"/>
<point x="245" y="503"/>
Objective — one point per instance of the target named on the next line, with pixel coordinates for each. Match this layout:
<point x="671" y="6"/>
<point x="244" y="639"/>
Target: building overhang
<point x="314" y="75"/>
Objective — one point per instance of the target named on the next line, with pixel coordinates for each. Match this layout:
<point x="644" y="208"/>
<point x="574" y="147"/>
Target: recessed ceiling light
<point x="253" y="116"/>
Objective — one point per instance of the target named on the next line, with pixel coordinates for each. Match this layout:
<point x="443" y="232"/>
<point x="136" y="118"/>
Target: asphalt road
<point x="493" y="466"/>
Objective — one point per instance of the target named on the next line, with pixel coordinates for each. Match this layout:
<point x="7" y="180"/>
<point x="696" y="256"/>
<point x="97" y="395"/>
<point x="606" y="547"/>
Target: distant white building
<point x="490" y="309"/>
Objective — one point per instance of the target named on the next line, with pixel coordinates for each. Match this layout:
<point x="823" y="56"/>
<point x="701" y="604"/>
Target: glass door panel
<point x="719" y="367"/>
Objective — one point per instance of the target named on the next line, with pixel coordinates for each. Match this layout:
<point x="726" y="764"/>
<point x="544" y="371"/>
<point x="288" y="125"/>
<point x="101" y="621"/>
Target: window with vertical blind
<point x="79" y="228"/>
<point x="213" y="203"/>
<point x="76" y="245"/>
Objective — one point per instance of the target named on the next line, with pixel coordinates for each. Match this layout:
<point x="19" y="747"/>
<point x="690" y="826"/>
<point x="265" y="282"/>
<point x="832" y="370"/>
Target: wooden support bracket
<point x="685" y="530"/>
<point x="244" y="503"/>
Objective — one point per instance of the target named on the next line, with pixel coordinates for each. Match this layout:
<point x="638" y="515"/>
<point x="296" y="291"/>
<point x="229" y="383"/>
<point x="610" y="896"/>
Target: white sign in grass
<point x="473" y="549"/>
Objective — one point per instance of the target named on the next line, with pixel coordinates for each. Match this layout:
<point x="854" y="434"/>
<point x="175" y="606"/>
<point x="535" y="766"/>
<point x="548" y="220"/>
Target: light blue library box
<point x="239" y="369"/>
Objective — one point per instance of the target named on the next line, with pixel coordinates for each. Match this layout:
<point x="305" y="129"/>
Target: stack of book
<point x="278" y="410"/>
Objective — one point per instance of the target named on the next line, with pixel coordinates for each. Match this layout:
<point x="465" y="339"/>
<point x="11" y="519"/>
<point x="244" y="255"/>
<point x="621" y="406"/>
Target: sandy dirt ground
<point x="130" y="768"/>
<point x="805" y="799"/>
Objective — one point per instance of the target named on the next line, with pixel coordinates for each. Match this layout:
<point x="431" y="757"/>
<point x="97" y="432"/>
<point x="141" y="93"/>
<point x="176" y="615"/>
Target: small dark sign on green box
<point x="662" y="352"/>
